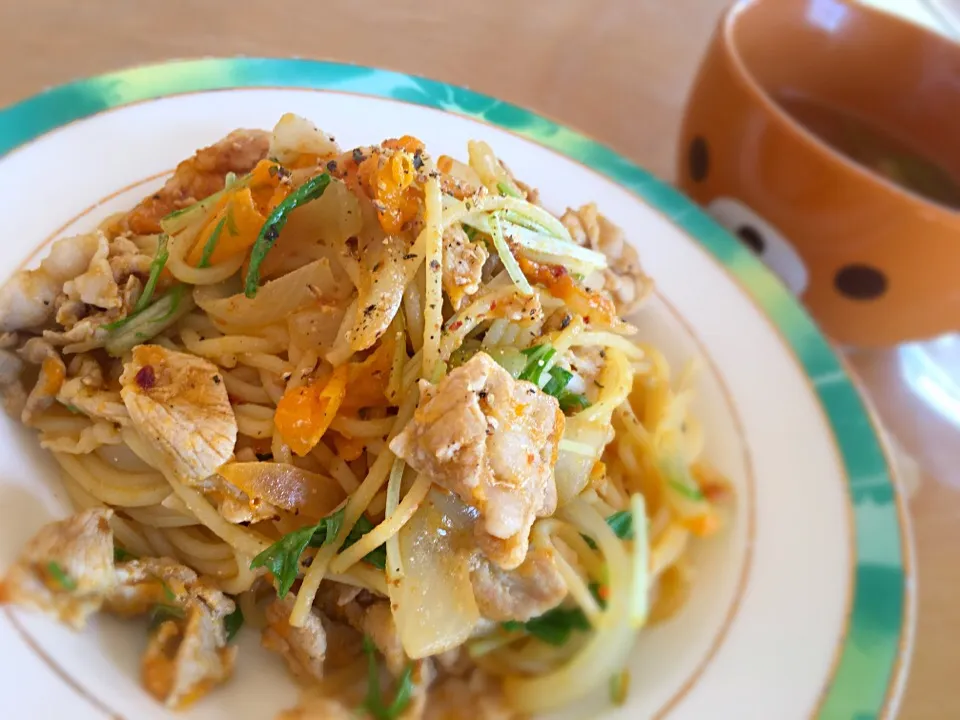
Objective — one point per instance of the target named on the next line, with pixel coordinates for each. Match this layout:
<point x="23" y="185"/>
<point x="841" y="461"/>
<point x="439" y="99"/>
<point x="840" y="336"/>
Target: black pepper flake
<point x="358" y="156"/>
<point x="598" y="384"/>
<point x="216" y="379"/>
<point x="377" y="266"/>
<point x="418" y="159"/>
<point x="434" y="265"/>
<point x="410" y="256"/>
<point x="565" y="322"/>
<point x="369" y="309"/>
<point x="332" y="166"/>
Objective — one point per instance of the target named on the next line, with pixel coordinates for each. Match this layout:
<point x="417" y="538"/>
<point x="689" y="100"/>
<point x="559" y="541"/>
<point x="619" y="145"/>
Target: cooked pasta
<point x="376" y="402"/>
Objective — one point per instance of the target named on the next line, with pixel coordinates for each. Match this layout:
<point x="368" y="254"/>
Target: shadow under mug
<point x="874" y="262"/>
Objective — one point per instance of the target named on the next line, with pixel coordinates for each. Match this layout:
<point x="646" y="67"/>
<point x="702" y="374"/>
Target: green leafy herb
<point x="211" y="244"/>
<point x="162" y="612"/>
<point x="156" y="267"/>
<point x="622" y="524"/>
<point x="559" y="379"/>
<point x="555" y="626"/>
<point x="377" y="557"/>
<point x="232" y="623"/>
<point x="231" y="221"/>
<point x="121" y="555"/>
<point x="688" y="491"/>
<point x="282" y="558"/>
<point x="329" y="527"/>
<point x="310" y="190"/>
<point x="373" y="703"/>
<point x="72" y="408"/>
<point x="180" y="219"/>
<point x="677" y="474"/>
<point x="60" y="576"/>
<point x="537" y="358"/>
<point x="467" y="350"/>
<point x="167" y="592"/>
<point x="471" y="231"/>
<point x="570" y="401"/>
<point x="507" y="190"/>
<point x="145" y="324"/>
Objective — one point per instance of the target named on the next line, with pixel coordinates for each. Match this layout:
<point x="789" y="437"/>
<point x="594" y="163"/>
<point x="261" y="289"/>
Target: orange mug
<point x="826" y="135"/>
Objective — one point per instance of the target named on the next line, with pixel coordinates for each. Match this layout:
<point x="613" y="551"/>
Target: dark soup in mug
<point x="875" y="149"/>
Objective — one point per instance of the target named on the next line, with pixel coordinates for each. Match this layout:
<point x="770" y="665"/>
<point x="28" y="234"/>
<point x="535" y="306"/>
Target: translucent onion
<point x="286" y="486"/>
<point x="276" y="299"/>
<point x="582" y="445"/>
<point x="294" y="136"/>
<point x="436" y="575"/>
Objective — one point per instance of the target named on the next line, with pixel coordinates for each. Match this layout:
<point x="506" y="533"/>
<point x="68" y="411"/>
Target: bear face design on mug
<point x="766" y="241"/>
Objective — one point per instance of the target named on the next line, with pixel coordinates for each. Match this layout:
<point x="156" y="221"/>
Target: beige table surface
<point x="618" y="70"/>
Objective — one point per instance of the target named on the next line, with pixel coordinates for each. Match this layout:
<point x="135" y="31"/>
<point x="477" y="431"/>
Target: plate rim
<point x="855" y="429"/>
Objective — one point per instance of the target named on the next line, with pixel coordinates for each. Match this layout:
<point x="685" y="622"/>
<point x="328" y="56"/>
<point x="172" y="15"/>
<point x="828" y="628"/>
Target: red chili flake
<point x="146" y="377"/>
<point x="456" y="325"/>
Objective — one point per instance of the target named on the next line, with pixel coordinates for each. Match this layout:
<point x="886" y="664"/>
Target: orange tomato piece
<point x="348" y="449"/>
<point x="560" y="284"/>
<point x="367" y="381"/>
<point x="239" y="222"/>
<point x="407" y="143"/>
<point x="267" y="186"/>
<point x="444" y="163"/>
<point x="703" y="524"/>
<point x="304" y="414"/>
<point x="52" y="376"/>
<point x="388" y="181"/>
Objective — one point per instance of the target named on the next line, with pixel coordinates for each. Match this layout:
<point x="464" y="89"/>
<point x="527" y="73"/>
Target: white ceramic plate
<point x="802" y="607"/>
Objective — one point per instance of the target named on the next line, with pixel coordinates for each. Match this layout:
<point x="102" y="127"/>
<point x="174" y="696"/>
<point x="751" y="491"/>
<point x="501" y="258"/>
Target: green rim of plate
<point x="868" y="664"/>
